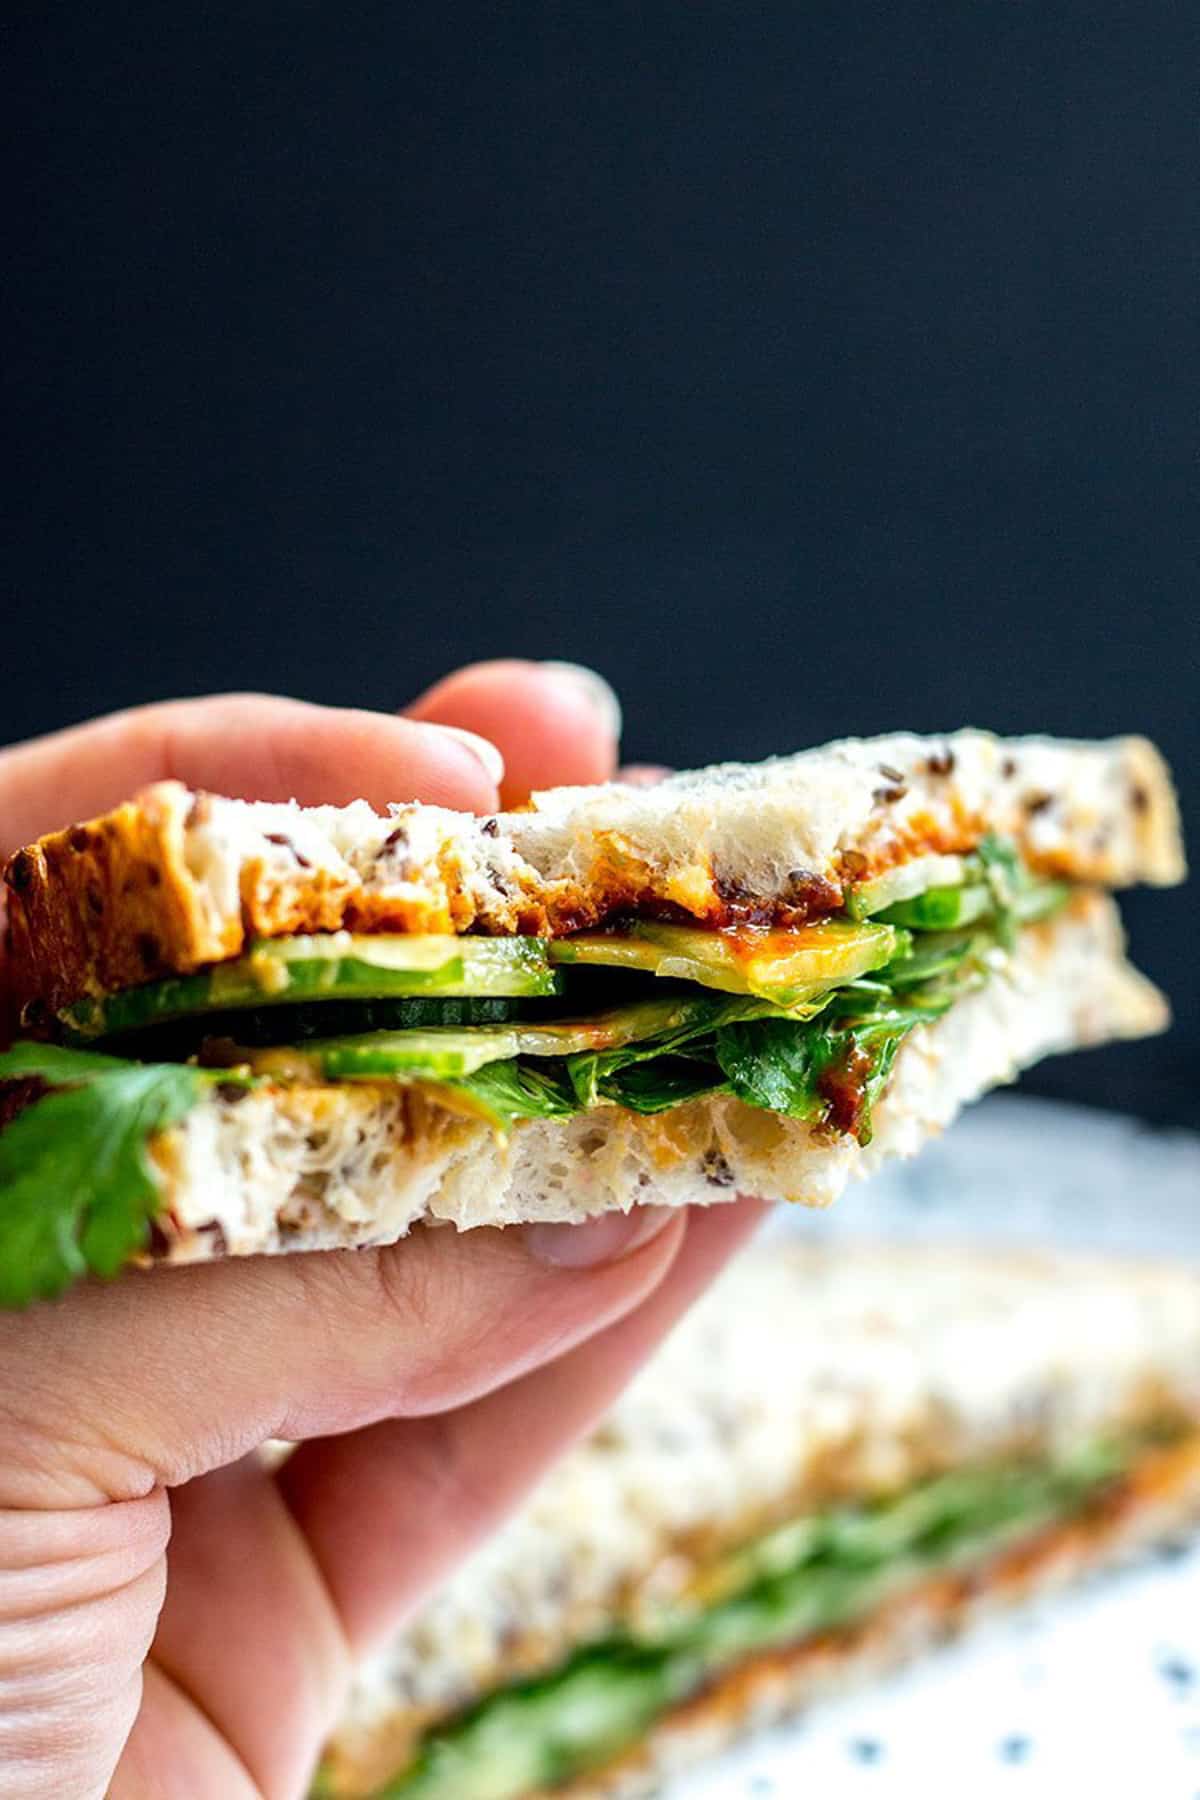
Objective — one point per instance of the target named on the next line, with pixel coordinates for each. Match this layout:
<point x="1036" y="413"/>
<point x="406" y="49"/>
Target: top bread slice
<point x="174" y="880"/>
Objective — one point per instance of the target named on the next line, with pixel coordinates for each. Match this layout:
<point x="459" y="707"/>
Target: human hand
<point x="428" y="1384"/>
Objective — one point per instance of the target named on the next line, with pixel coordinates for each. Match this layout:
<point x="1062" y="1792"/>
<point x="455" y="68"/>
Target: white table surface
<point x="1098" y="1694"/>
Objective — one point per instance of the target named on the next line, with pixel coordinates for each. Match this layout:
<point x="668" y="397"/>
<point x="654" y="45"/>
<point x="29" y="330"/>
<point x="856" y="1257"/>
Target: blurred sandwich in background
<point x="841" y="1457"/>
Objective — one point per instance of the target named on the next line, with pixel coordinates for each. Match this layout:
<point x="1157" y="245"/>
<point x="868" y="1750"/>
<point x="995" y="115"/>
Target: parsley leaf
<point x="77" y="1191"/>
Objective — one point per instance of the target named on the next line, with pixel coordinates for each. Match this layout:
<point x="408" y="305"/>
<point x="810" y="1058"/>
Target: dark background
<point x="810" y="370"/>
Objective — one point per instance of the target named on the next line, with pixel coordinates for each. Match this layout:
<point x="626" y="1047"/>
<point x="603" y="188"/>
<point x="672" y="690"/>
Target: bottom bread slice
<point x="302" y="1167"/>
<point x="1156" y="1502"/>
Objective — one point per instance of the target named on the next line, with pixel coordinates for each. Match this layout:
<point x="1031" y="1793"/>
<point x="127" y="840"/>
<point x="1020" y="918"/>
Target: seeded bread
<point x="807" y="1376"/>
<point x="174" y="880"/>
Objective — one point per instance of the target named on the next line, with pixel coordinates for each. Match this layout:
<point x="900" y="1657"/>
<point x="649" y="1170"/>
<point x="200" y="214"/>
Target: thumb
<point x="169" y="1373"/>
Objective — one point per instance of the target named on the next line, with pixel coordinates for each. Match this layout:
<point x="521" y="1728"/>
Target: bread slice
<point x="808" y="1378"/>
<point x="175" y="880"/>
<point x="305" y="1167"/>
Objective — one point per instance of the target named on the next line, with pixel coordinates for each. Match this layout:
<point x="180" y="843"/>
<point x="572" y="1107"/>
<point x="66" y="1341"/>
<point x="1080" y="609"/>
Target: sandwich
<point x="258" y="1027"/>
<point x="841" y="1456"/>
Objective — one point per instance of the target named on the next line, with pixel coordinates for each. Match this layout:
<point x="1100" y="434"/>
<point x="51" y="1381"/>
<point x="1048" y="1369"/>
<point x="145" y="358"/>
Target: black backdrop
<point x="810" y="370"/>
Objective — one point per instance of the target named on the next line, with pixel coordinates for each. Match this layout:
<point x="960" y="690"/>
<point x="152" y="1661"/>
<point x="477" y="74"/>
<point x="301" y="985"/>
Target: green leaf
<point x="593" y="1072"/>
<point x="834" y="1069"/>
<point x="1002" y="872"/>
<point x="77" y="1191"/>
<point x="774" y="1064"/>
<point x="666" y="1081"/>
<point x="513" y="1090"/>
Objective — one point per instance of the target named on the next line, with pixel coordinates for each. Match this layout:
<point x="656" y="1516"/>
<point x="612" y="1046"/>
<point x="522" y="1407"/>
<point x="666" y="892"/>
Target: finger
<point x="390" y="1510"/>
<point x="643" y="775"/>
<point x="556" y="724"/>
<point x="174" y="1750"/>
<point x="242" y="1573"/>
<point x="170" y="1372"/>
<point x="251" y="746"/>
<point x="80" y="1594"/>
<point x="355" y="1529"/>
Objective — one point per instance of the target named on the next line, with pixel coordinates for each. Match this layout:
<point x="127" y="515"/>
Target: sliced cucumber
<point x="1041" y="901"/>
<point x="947" y="893"/>
<point x="870" y="898"/>
<point x="785" y="967"/>
<point x="952" y="908"/>
<point x="446" y="1055"/>
<point x="336" y="966"/>
<point x="539" y="1733"/>
<point x="942" y="908"/>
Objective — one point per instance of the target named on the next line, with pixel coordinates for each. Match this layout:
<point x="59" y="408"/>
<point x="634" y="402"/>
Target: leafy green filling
<point x="811" y="1576"/>
<point x="78" y="1189"/>
<point x="829" y="1069"/>
<point x="825" y="1059"/>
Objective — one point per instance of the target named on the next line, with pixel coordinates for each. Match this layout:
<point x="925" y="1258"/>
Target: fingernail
<point x="481" y="748"/>
<point x="604" y="1239"/>
<point x="600" y="696"/>
<point x="643" y="775"/>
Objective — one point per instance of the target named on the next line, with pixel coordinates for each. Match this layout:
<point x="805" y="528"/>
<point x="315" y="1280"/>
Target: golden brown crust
<point x="109" y="904"/>
<point x="145" y="891"/>
<point x="113" y="902"/>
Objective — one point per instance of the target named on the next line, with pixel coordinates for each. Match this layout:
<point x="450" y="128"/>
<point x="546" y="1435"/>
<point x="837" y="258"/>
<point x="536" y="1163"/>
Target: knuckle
<point x="443" y="1297"/>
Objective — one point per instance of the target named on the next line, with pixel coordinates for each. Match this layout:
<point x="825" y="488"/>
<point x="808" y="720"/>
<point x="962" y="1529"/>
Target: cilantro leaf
<point x="77" y="1191"/>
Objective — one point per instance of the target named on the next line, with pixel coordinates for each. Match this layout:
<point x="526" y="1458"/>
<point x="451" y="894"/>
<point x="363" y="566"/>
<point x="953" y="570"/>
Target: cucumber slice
<point x="1041" y="901"/>
<point x="447" y="1055"/>
<point x="869" y="898"/>
<point x="335" y="966"/>
<point x="942" y="908"/>
<point x="786" y="967"/>
<point x="952" y="908"/>
<point x="538" y="1733"/>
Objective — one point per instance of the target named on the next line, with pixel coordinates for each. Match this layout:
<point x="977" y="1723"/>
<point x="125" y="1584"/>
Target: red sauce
<point x="843" y="1087"/>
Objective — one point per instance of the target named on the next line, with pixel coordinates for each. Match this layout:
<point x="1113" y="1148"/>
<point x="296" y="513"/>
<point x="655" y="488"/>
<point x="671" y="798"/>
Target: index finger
<point x="250" y="746"/>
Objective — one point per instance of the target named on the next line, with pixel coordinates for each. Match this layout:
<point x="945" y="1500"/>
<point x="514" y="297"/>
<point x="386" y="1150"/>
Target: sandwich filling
<point x="814" y="1576"/>
<point x="646" y="1015"/>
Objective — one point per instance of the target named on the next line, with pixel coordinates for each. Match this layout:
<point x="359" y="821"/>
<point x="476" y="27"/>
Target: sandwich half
<point x="840" y="1457"/>
<point x="258" y="1027"/>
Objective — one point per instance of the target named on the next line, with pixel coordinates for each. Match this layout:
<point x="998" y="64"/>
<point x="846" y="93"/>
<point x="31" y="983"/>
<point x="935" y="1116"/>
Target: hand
<point x="429" y="1384"/>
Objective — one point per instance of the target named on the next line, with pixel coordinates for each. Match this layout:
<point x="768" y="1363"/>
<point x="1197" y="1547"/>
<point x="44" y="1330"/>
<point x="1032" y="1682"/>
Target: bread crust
<point x="174" y="880"/>
<point x="110" y="904"/>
